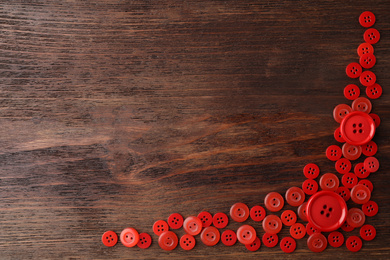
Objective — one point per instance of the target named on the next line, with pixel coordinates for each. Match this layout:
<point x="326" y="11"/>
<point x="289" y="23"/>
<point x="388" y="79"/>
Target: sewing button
<point x="317" y="242"/>
<point x="270" y="240"/>
<point x="340" y="111"/>
<point x="272" y="224"/>
<point x="365" y="48"/>
<point x="367" y="232"/>
<point x="220" y="220"/>
<point x="187" y="242"/>
<point x="175" y="221"/>
<point x="353" y="70"/>
<point x="246" y="234"/>
<point x="351" y="152"/>
<point x="336" y="239"/>
<point x="354" y="243"/>
<point x="343" y="165"/>
<point x="367" y="78"/>
<point x="351" y="92"/>
<point x="254" y="246"/>
<point x="129" y="237"/>
<point x="371" y="36"/>
<point x="349" y="180"/>
<point x="274" y="201"/>
<point x="344" y="192"/>
<point x="297" y="231"/>
<point x="376" y="119"/>
<point x="346" y="227"/>
<point x="257" y="213"/>
<point x="374" y="91"/>
<point x="302" y="211"/>
<point x="367" y="19"/>
<point x="371" y="164"/>
<point x="310" y="229"/>
<point x="310" y="186"/>
<point x="145" y="240"/>
<point x="192" y="225"/>
<point x="370" y="208"/>
<point x="210" y="236"/>
<point x="295" y="196"/>
<point x="367" y="183"/>
<point x="355" y="217"/>
<point x="311" y="171"/>
<point x="206" y="218"/>
<point x="288" y="217"/>
<point x="229" y="237"/>
<point x="357" y="128"/>
<point x="239" y="212"/>
<point x="288" y="244"/>
<point x="160" y="226"/>
<point x="360" y="194"/>
<point x="329" y="182"/>
<point x="360" y="171"/>
<point x="337" y="135"/>
<point x="370" y="148"/>
<point x="362" y="104"/>
<point x="168" y="240"/>
<point x="109" y="238"/>
<point x="367" y="60"/>
<point x="333" y="152"/>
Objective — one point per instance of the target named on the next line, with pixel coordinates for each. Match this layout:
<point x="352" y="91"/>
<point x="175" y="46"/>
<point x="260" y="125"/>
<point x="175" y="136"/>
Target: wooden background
<point x="117" y="113"/>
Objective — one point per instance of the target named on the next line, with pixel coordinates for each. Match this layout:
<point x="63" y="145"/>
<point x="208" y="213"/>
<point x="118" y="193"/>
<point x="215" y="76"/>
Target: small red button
<point x="254" y="246"/>
<point x="326" y="211"/>
<point x="355" y="217"/>
<point x="376" y="119"/>
<point x="357" y="128"/>
<point x="302" y="211"/>
<point x="340" y="111"/>
<point x="349" y="180"/>
<point x="351" y="152"/>
<point x="353" y="70"/>
<point x="367" y="232"/>
<point x="192" y="225"/>
<point x="246" y="234"/>
<point x="367" y="183"/>
<point x="206" y="218"/>
<point x="337" y="135"/>
<point x="346" y="227"/>
<point x="297" y="231"/>
<point x="168" y="240"/>
<point x="109" y="238"/>
<point x="367" y="78"/>
<point x="272" y="224"/>
<point x="370" y="148"/>
<point x="210" y="236"/>
<point x="344" y="192"/>
<point x="310" y="186"/>
<point x="187" y="242"/>
<point x="360" y="194"/>
<point x="354" y="243"/>
<point x="360" y="171"/>
<point x="145" y="240"/>
<point x="129" y="237"/>
<point x="333" y="152"/>
<point x="367" y="60"/>
<point x="311" y="171"/>
<point x="367" y="19"/>
<point x="370" y="208"/>
<point x="288" y="217"/>
<point x="317" y="242"/>
<point x="310" y="229"/>
<point x="362" y="104"/>
<point x="274" y="201"/>
<point x="229" y="237"/>
<point x="374" y="91"/>
<point x="175" y="221"/>
<point x="257" y="213"/>
<point x="329" y="182"/>
<point x="288" y="244"/>
<point x="336" y="239"/>
<point x="270" y="240"/>
<point x="160" y="226"/>
<point x="343" y="165"/>
<point x="371" y="164"/>
<point x="365" y="48"/>
<point x="351" y="92"/>
<point x="239" y="212"/>
<point x="220" y="220"/>
<point x="371" y="36"/>
<point x="295" y="196"/>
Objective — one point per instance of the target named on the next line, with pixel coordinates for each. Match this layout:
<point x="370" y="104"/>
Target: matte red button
<point x="210" y="236"/>
<point x="109" y="238"/>
<point x="355" y="217"/>
<point x="288" y="217"/>
<point x="374" y="91"/>
<point x="351" y="92"/>
<point x="160" y="226"/>
<point x="371" y="164"/>
<point x="270" y="240"/>
<point x="351" y="152"/>
<point x="310" y="229"/>
<point x="362" y="104"/>
<point x="367" y="19"/>
<point x="353" y="70"/>
<point x="367" y="78"/>
<point x="288" y="244"/>
<point x="360" y="171"/>
<point x="333" y="152"/>
<point x="370" y="208"/>
<point x="370" y="148"/>
<point x="187" y="242"/>
<point x="346" y="227"/>
<point x="272" y="224"/>
<point x="367" y="60"/>
<point x="175" y="221"/>
<point x="349" y="180"/>
<point x="206" y="218"/>
<point x="246" y="234"/>
<point x="340" y="111"/>
<point x="326" y="211"/>
<point x="360" y="194"/>
<point x="168" y="240"/>
<point x="344" y="192"/>
<point x="311" y="171"/>
<point x="371" y="36"/>
<point x="317" y="242"/>
<point x="145" y="240"/>
<point x="367" y="232"/>
<point x="257" y="213"/>
<point x="343" y="165"/>
<point x="365" y="48"/>
<point x="367" y="183"/>
<point x="239" y="212"/>
<point x="220" y="220"/>
<point x="254" y="246"/>
<point x="274" y="201"/>
<point x="192" y="225"/>
<point x="302" y="211"/>
<point x="354" y="243"/>
<point x="336" y="239"/>
<point x="337" y="135"/>
<point x="297" y="231"/>
<point x="357" y="128"/>
<point x="295" y="196"/>
<point x="228" y="237"/>
<point x="329" y="182"/>
<point x="376" y="119"/>
<point x="310" y="186"/>
<point x="129" y="237"/>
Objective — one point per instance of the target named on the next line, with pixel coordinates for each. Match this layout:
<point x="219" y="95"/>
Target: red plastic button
<point x="371" y="36"/>
<point x="376" y="119"/>
<point x="357" y="128"/>
<point x="297" y="231"/>
<point x="371" y="164"/>
<point x="210" y="236"/>
<point x="229" y="237"/>
<point x="360" y="194"/>
<point x="270" y="240"/>
<point x="175" y="221"/>
<point x="311" y="171"/>
<point x="333" y="152"/>
<point x="257" y="213"/>
<point x="239" y="212"/>
<point x="354" y="243"/>
<point x="272" y="224"/>
<point x="349" y="180"/>
<point x="326" y="211"/>
<point x="343" y="165"/>
<point x="109" y="238"/>
<point x="288" y="217"/>
<point x="351" y="152"/>
<point x="274" y="201"/>
<point x="187" y="242"/>
<point x="367" y="19"/>
<point x="310" y="186"/>
<point x="288" y="244"/>
<point x="344" y="192"/>
<point x="353" y="70"/>
<point x="310" y="229"/>
<point x="367" y="60"/>
<point x="329" y="182"/>
<point x="254" y="246"/>
<point x="367" y="78"/>
<point x="220" y="220"/>
<point x="362" y="104"/>
<point x="295" y="196"/>
<point x="336" y="239"/>
<point x="360" y="171"/>
<point x="168" y="240"/>
<point x="145" y="240"/>
<point x="367" y="232"/>
<point x="367" y="183"/>
<point x="370" y="208"/>
<point x="370" y="148"/>
<point x="302" y="211"/>
<point x="374" y="91"/>
<point x="246" y="234"/>
<point x="192" y="225"/>
<point x="129" y="237"/>
<point x="160" y="226"/>
<point x="340" y="111"/>
<point x="351" y="92"/>
<point x="337" y="135"/>
<point x="355" y="217"/>
<point x="206" y="218"/>
<point x="346" y="227"/>
<point x="317" y="242"/>
<point x="365" y="48"/>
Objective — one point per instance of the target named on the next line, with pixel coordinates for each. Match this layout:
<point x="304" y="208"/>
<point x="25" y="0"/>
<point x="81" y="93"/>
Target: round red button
<point x="371" y="164"/>
<point x="210" y="236"/>
<point x="295" y="196"/>
<point x="168" y="240"/>
<point x="270" y="240"/>
<point x="206" y="218"/>
<point x="175" y="221"/>
<point x="192" y="225"/>
<point x="344" y="192"/>
<point x="367" y="60"/>
<point x="367" y="78"/>
<point x="109" y="238"/>
<point x="360" y="171"/>
<point x="355" y="217"/>
<point x="229" y="237"/>
<point x="329" y="182"/>
<point x="288" y="244"/>
<point x="371" y="36"/>
<point x="288" y="217"/>
<point x="357" y="128"/>
<point x="160" y="226"/>
<point x="272" y="224"/>
<point x="129" y="237"/>
<point x="297" y="231"/>
<point x="337" y="135"/>
<point x="274" y="201"/>
<point x="370" y="148"/>
<point x="376" y="119"/>
<point x="354" y="243"/>
<point x="367" y="19"/>
<point x="340" y="111"/>
<point x="370" y="208"/>
<point x="351" y="152"/>
<point x="246" y="234"/>
<point x="310" y="186"/>
<point x="362" y="104"/>
<point x="335" y="239"/>
<point x="346" y="227"/>
<point x="257" y="213"/>
<point x="343" y="165"/>
<point x="360" y="194"/>
<point x="349" y="180"/>
<point x="317" y="242"/>
<point x="365" y="48"/>
<point x="302" y="211"/>
<point x="311" y="171"/>
<point x="374" y="91"/>
<point x="333" y="152"/>
<point x="326" y="211"/>
<point x="367" y="232"/>
<point x="367" y="183"/>
<point x="145" y="240"/>
<point x="254" y="246"/>
<point x="220" y="220"/>
<point x="351" y="92"/>
<point x="187" y="242"/>
<point x="239" y="212"/>
<point x="310" y="229"/>
<point x="353" y="70"/>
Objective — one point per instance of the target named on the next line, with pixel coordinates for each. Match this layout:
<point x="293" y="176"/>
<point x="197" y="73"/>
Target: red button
<point x="272" y="224"/>
<point x="351" y="92"/>
<point x="228" y="237"/>
<point x="168" y="240"/>
<point x="343" y="165"/>
<point x="354" y="243"/>
<point x="340" y="111"/>
<point x="270" y="240"/>
<point x="187" y="242"/>
<point x="357" y="128"/>
<point x="302" y="211"/>
<point x="317" y="242"/>
<point x="370" y="148"/>
<point x="376" y="119"/>
<point x="192" y="225"/>
<point x="344" y="192"/>
<point x="257" y="213"/>
<point x="288" y="244"/>
<point x="109" y="238"/>
<point x="346" y="227"/>
<point x="206" y="218"/>
<point x="367" y="19"/>
<point x="365" y="48"/>
<point x="371" y="164"/>
<point x="295" y="196"/>
<point x="274" y="201"/>
<point x="311" y="171"/>
<point x="326" y="211"/>
<point x="371" y="36"/>
<point x="254" y="246"/>
<point x="210" y="236"/>
<point x="349" y="180"/>
<point x="353" y="70"/>
<point x="310" y="186"/>
<point x="175" y="221"/>
<point x="360" y="171"/>
<point x="333" y="152"/>
<point x="288" y="217"/>
<point x="367" y="183"/>
<point x="360" y="194"/>
<point x="145" y="240"/>
<point x="329" y="182"/>
<point x="297" y="231"/>
<point x="310" y="229"/>
<point x="367" y="60"/>
<point x="367" y="78"/>
<point x="367" y="232"/>
<point x="362" y="104"/>
<point x="355" y="217"/>
<point x="220" y="220"/>
<point x="336" y="239"/>
<point x="370" y="208"/>
<point x="129" y="237"/>
<point x="374" y="91"/>
<point x="239" y="212"/>
<point x="159" y="227"/>
<point x="246" y="234"/>
<point x="351" y="152"/>
<point x="337" y="135"/>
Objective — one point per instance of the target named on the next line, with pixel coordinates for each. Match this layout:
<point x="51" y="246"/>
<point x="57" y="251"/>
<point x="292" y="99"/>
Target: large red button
<point x="370" y="208"/>
<point x="340" y="111"/>
<point x="295" y="196"/>
<point x="353" y="70"/>
<point x="371" y="164"/>
<point x="367" y="78"/>
<point x="210" y="236"/>
<point x="354" y="243"/>
<point x="288" y="217"/>
<point x="254" y="246"/>
<point x="274" y="201"/>
<point x="145" y="240"/>
<point x="206" y="218"/>
<point x="257" y="213"/>
<point x="168" y="240"/>
<point x="311" y="171"/>
<point x="362" y="104"/>
<point x="329" y="182"/>
<point x="175" y="221"/>
<point x="371" y="36"/>
<point x="270" y="240"/>
<point x="246" y="234"/>
<point x="239" y="212"/>
<point x="160" y="226"/>
<point x="310" y="186"/>
<point x="297" y="231"/>
<point x="109" y="238"/>
<point x="367" y="60"/>
<point x="360" y="171"/>
<point x="333" y="152"/>
<point x="370" y="148"/>
<point x="355" y="217"/>
<point x="220" y="220"/>
<point x="365" y="48"/>
<point x="229" y="237"/>
<point x="343" y="165"/>
<point x="351" y="92"/>
<point x="288" y="244"/>
<point x="374" y="91"/>
<point x="129" y="237"/>
<point x="317" y="242"/>
<point x="326" y="211"/>
<point x="335" y="239"/>
<point x="357" y="128"/>
<point x="192" y="225"/>
<point x="349" y="180"/>
<point x="367" y="19"/>
<point x="367" y="232"/>
<point x="272" y="224"/>
<point x="187" y="242"/>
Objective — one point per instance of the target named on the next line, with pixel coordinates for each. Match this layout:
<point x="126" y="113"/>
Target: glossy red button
<point x="310" y="229"/>
<point x="337" y="135"/>
<point x="367" y="78"/>
<point x="288" y="244"/>
<point x="365" y="48"/>
<point x="351" y="92"/>
<point x="336" y="239"/>
<point x="360" y="171"/>
<point x="317" y="242"/>
<point x="355" y="217"/>
<point x="357" y="128"/>
<point x="351" y="152"/>
<point x="367" y="60"/>
<point x="310" y="186"/>
<point x="254" y="246"/>
<point x="333" y="152"/>
<point x="288" y="217"/>
<point x="344" y="192"/>
<point x="246" y="234"/>
<point x="367" y="183"/>
<point x="274" y="201"/>
<point x="367" y="19"/>
<point x="187" y="242"/>
<point x="295" y="196"/>
<point x="370" y="148"/>
<point x="129" y="237"/>
<point x="206" y="218"/>
<point x="302" y="211"/>
<point x="371" y="36"/>
<point x="109" y="238"/>
<point x="367" y="232"/>
<point x="272" y="224"/>
<point x="349" y="180"/>
<point x="228" y="237"/>
<point x="371" y="164"/>
<point x="175" y="221"/>
<point x="326" y="211"/>
<point x="311" y="171"/>
<point x="270" y="240"/>
<point x="160" y="226"/>
<point x="210" y="236"/>
<point x="353" y="70"/>
<point x="376" y="119"/>
<point x="220" y="220"/>
<point x="370" y="208"/>
<point x="168" y="240"/>
<point x="354" y="243"/>
<point x="329" y="182"/>
<point x="343" y="165"/>
<point x="362" y="104"/>
<point x="297" y="231"/>
<point x="360" y="194"/>
<point x="340" y="111"/>
<point x="374" y="91"/>
<point x="257" y="213"/>
<point x="346" y="227"/>
<point x="145" y="240"/>
<point x="192" y="225"/>
<point x="239" y="212"/>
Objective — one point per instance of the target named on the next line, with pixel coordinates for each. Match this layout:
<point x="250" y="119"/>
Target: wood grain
<point x="119" y="113"/>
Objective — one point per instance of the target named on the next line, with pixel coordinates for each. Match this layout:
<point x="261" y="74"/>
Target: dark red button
<point x="145" y="240"/>
<point x="346" y="227"/>
<point x="336" y="239"/>
<point x="362" y="104"/>
<point x="295" y="196"/>
<point x="210" y="236"/>
<point x="333" y="152"/>
<point x="288" y="244"/>
<point x="329" y="182"/>
<point x="192" y="225"/>
<point x="337" y="135"/>
<point x="310" y="229"/>
<point x="349" y="180"/>
<point x="317" y="242"/>
<point x="367" y="19"/>
<point x="367" y="183"/>
<point x="175" y="221"/>
<point x="344" y="192"/>
<point x="274" y="201"/>
<point x="360" y="194"/>
<point x="160" y="226"/>
<point x="206" y="218"/>
<point x="254" y="246"/>
<point x="370" y="148"/>
<point x="168" y="240"/>
<point x="365" y="48"/>
<point x="354" y="243"/>
<point x="367" y="78"/>
<point x="311" y="171"/>
<point x="257" y="213"/>
<point x="353" y="70"/>
<point x="355" y="217"/>
<point x="270" y="240"/>
<point x="360" y="171"/>
<point x="340" y="111"/>
<point x="374" y="91"/>
<point x="343" y="165"/>
<point x="228" y="237"/>
<point x="357" y="128"/>
<point x="109" y="238"/>
<point x="376" y="118"/>
<point x="239" y="212"/>
<point x="367" y="232"/>
<point x="310" y="186"/>
<point x="220" y="220"/>
<point x="367" y="60"/>
<point x="351" y="152"/>
<point x="297" y="231"/>
<point x="370" y="208"/>
<point x="129" y="237"/>
<point x="371" y="164"/>
<point x="288" y="217"/>
<point x="246" y="234"/>
<point x="371" y="36"/>
<point x="187" y="242"/>
<point x="272" y="224"/>
<point x="302" y="211"/>
<point x="326" y="210"/>
<point x="351" y="92"/>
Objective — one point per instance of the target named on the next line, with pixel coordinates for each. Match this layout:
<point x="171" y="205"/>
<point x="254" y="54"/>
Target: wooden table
<point x="118" y="113"/>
